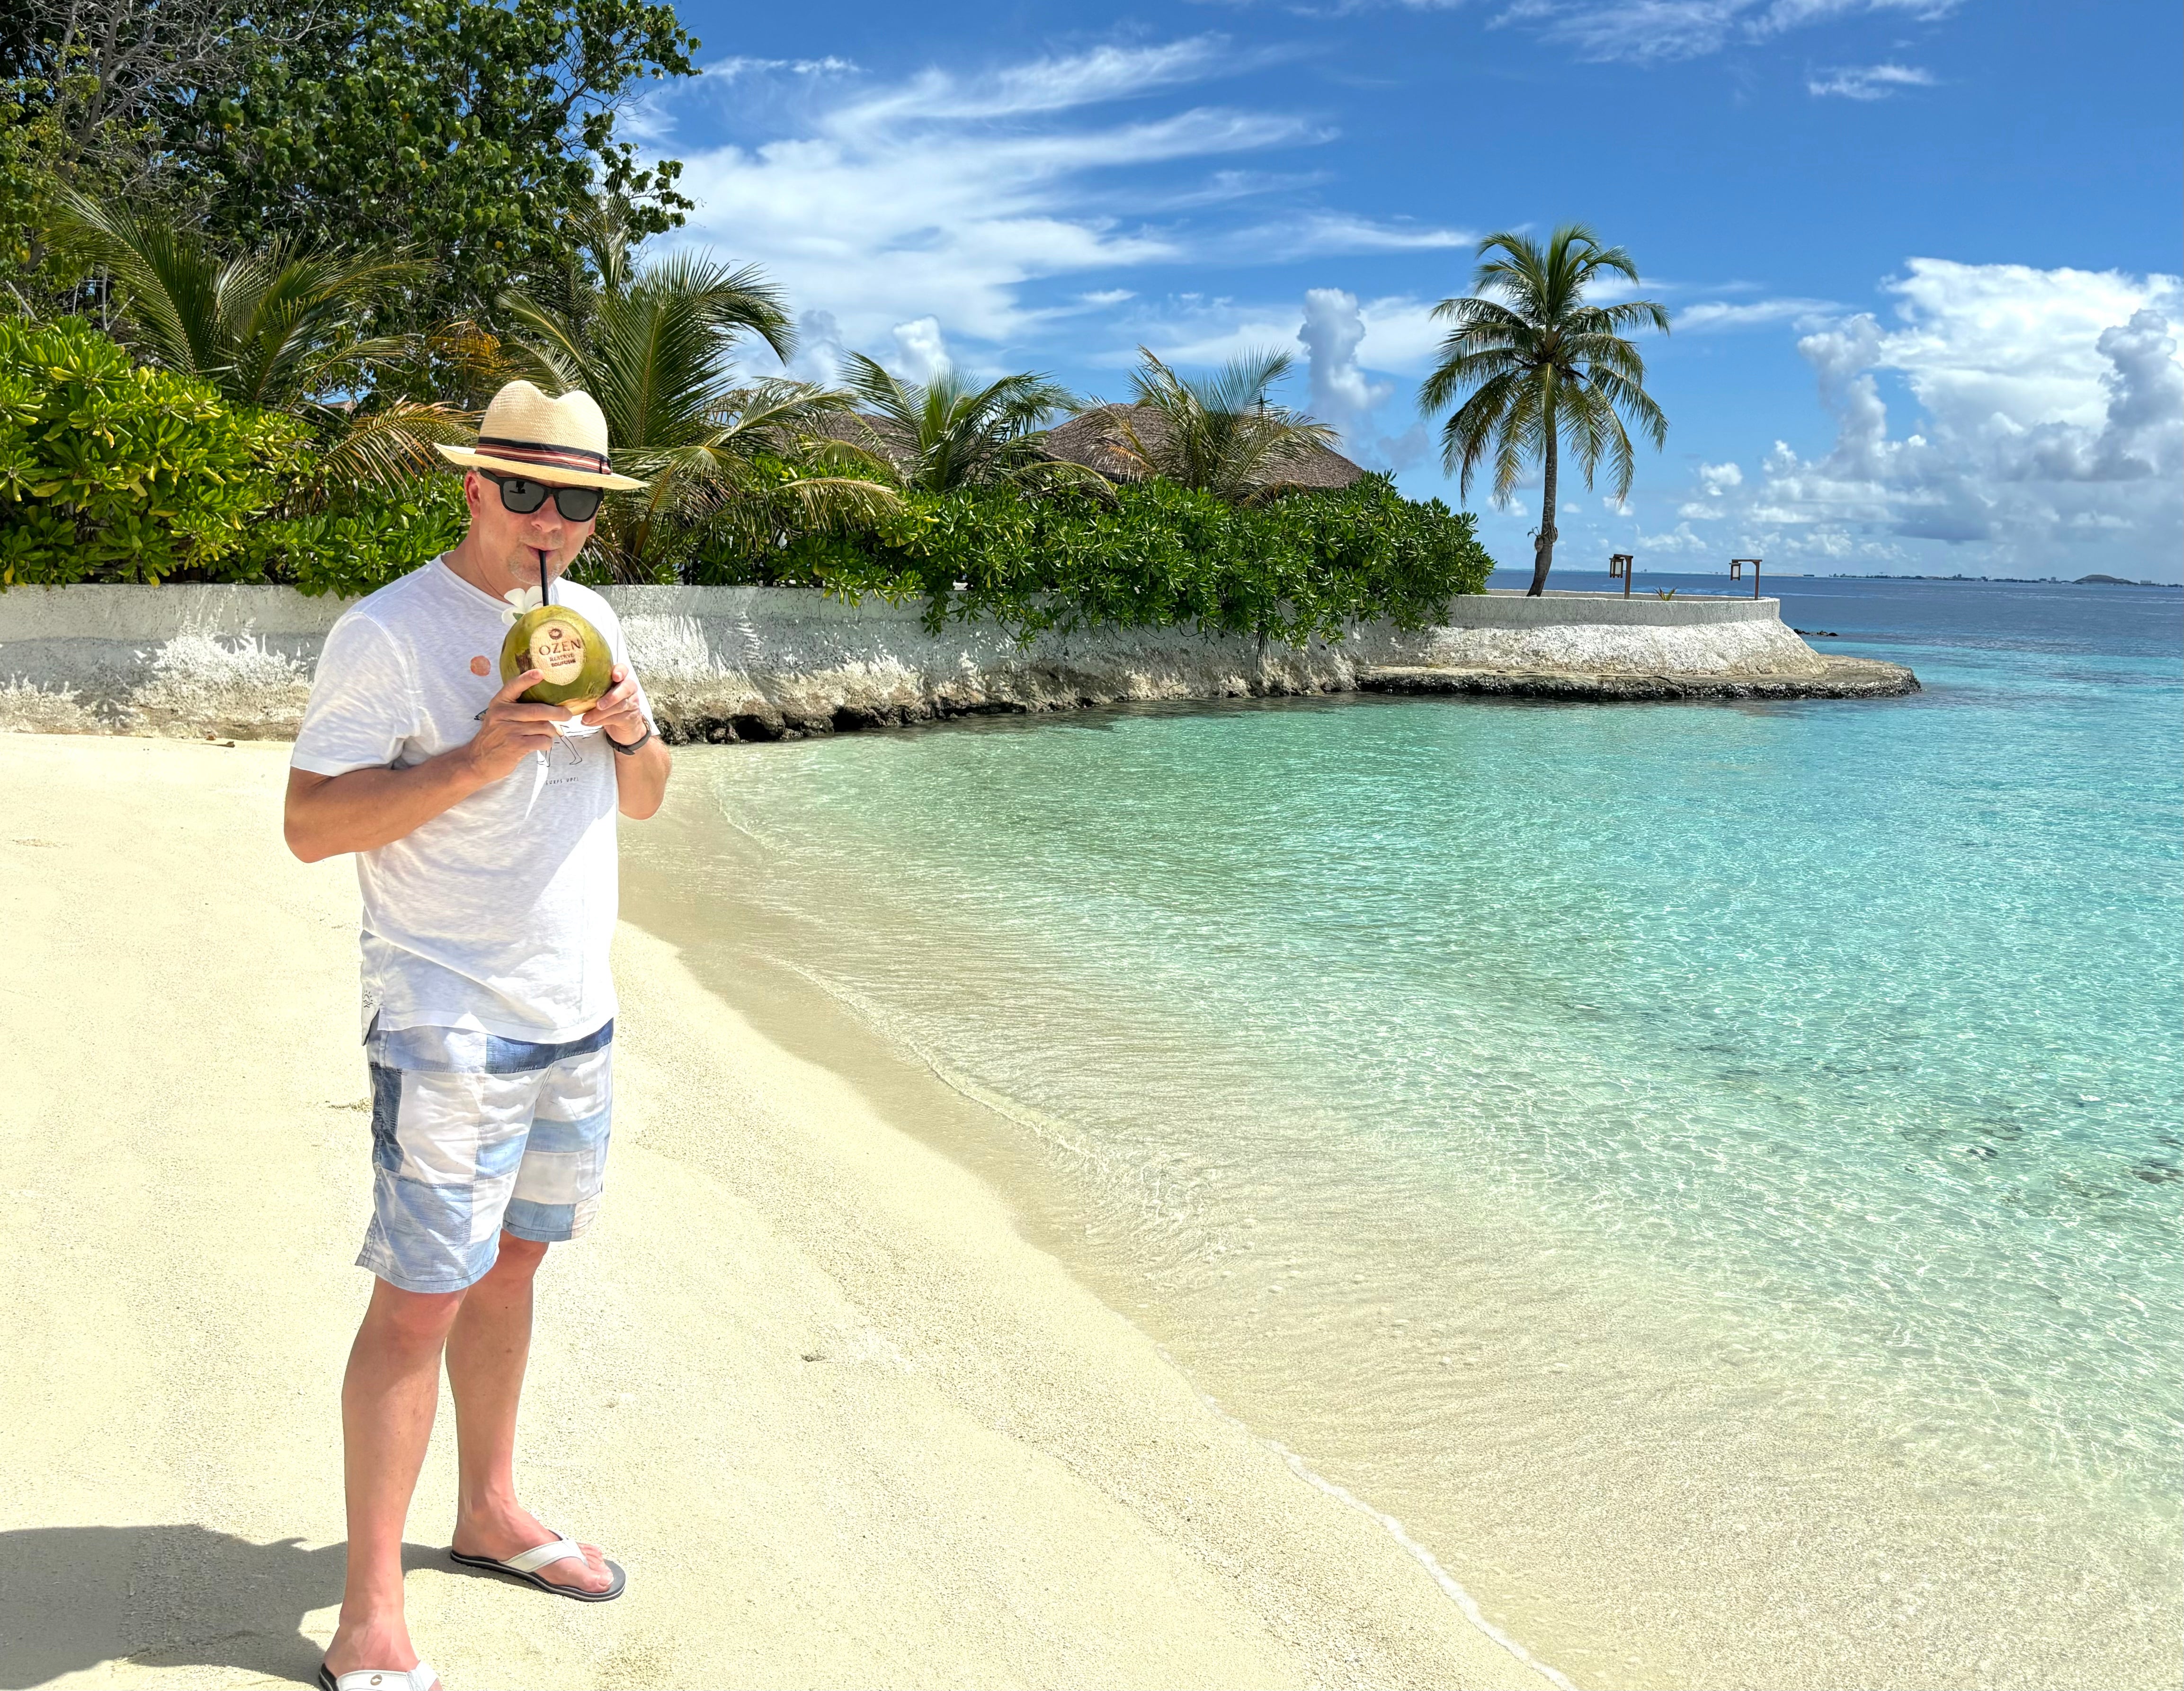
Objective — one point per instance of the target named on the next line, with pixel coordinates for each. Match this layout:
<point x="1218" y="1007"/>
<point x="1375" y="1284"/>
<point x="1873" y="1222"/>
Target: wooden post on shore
<point x="1622" y="564"/>
<point x="1736" y="571"/>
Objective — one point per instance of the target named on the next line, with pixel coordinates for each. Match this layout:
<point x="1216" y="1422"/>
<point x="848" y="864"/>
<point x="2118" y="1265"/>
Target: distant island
<point x="2011" y="581"/>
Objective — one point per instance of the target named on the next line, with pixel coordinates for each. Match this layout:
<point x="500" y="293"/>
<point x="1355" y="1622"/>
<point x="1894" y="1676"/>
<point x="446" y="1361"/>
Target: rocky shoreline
<point x="1841" y="678"/>
<point x="736" y="664"/>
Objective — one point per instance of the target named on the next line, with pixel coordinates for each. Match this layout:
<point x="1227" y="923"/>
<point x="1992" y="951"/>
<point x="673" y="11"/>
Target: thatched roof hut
<point x="871" y="431"/>
<point x="1086" y="440"/>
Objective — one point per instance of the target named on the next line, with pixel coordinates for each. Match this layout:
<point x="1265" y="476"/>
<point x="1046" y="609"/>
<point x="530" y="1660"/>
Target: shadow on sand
<point x="72" y="1596"/>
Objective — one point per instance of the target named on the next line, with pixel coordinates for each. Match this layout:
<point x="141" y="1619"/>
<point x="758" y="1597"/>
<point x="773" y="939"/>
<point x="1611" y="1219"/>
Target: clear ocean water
<point x="1713" y="1172"/>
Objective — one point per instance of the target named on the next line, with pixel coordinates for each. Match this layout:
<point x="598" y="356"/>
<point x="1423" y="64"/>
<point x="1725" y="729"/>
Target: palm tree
<point x="655" y="344"/>
<point x="1542" y="367"/>
<point x="1217" y="434"/>
<point x="946" y="433"/>
<point x="281" y="330"/>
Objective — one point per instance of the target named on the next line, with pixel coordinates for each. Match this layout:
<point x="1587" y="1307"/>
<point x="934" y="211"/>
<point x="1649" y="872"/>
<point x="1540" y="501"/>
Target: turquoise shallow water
<point x="1713" y="1172"/>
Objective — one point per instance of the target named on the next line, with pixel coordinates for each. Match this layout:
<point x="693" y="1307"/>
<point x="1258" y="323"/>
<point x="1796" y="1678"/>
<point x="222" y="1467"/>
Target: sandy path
<point x="842" y="1423"/>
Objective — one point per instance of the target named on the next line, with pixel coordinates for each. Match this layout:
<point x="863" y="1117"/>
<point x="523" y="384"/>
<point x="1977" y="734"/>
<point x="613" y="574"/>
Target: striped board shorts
<point x="471" y="1133"/>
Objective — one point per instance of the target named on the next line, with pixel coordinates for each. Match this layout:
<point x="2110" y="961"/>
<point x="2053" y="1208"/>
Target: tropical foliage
<point x="948" y="432"/>
<point x="313" y="243"/>
<point x="1153" y="555"/>
<point x="279" y="329"/>
<point x="1538" y="368"/>
<point x="112" y="470"/>
<point x="1217" y="434"/>
<point x="470" y="125"/>
<point x="657" y="343"/>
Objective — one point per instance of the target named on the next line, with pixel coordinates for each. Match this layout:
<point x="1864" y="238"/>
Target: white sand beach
<point x="806" y="1379"/>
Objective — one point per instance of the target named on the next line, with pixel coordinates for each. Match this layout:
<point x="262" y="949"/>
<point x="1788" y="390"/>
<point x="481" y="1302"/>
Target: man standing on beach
<point x="484" y="834"/>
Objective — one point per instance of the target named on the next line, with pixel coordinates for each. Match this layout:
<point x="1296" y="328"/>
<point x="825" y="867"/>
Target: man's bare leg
<point x="388" y="1397"/>
<point x="487" y="1349"/>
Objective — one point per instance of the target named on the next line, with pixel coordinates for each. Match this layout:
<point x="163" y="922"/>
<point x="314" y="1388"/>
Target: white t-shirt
<point x="497" y="914"/>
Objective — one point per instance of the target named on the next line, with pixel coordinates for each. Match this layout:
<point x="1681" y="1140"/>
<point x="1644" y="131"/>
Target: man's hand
<point x="640" y="780"/>
<point x="510" y="730"/>
<point x="367" y="808"/>
<point x="617" y="712"/>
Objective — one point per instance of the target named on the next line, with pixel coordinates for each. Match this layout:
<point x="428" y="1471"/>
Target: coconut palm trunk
<point x="1543" y="546"/>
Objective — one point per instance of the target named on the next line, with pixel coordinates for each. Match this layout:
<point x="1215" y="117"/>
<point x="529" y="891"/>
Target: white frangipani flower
<point x="520" y="599"/>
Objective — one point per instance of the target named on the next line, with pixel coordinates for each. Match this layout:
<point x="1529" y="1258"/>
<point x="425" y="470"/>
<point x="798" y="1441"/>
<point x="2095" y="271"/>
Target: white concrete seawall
<point x="761" y="662"/>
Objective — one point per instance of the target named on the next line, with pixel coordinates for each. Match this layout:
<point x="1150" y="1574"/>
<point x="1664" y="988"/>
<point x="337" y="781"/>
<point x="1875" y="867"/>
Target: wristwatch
<point x="634" y="747"/>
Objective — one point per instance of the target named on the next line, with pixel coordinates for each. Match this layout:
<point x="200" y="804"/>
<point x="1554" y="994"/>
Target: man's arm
<point x="640" y="776"/>
<point x="326" y="815"/>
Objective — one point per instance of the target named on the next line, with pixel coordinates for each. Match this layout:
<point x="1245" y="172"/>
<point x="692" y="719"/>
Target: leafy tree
<point x="948" y="433"/>
<point x="655" y="344"/>
<point x="473" y="126"/>
<point x="1542" y="368"/>
<point x="1219" y="434"/>
<point x="277" y="330"/>
<point x="94" y="88"/>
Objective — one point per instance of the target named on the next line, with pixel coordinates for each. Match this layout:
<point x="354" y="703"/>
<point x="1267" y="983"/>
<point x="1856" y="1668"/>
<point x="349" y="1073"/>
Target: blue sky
<point x="1923" y="256"/>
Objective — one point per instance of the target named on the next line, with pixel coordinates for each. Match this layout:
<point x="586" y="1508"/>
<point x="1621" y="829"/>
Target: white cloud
<point x="1342" y="394"/>
<point x="819" y="354"/>
<point x="1714" y="480"/>
<point x="1403" y="334"/>
<point x="1404" y="450"/>
<point x="949" y="195"/>
<point x="729" y="69"/>
<point x="1657" y="30"/>
<point x="1721" y="314"/>
<point x="1191" y="329"/>
<point x="1401" y="331"/>
<point x="2049" y="434"/>
<point x="1048" y="85"/>
<point x="1337" y="231"/>
<point x="1681" y="538"/>
<point x="921" y="352"/>
<point x="1867" y="81"/>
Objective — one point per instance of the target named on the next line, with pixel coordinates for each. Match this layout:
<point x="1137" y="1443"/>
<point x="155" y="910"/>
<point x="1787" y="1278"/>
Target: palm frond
<point x="946" y="433"/>
<point x="269" y="328"/>
<point x="168" y="276"/>
<point x="1220" y="434"/>
<point x="384" y="448"/>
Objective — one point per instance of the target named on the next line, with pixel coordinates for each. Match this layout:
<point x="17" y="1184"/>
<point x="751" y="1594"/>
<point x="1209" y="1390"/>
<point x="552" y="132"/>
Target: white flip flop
<point x="418" y="1678"/>
<point x="526" y="1567"/>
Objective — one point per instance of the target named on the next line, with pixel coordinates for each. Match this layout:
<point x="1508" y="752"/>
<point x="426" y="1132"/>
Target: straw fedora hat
<point x="563" y="441"/>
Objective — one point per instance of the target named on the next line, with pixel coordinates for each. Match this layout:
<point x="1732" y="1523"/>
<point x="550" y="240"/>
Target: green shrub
<point x="113" y="472"/>
<point x="1155" y="555"/>
<point x="364" y="543"/>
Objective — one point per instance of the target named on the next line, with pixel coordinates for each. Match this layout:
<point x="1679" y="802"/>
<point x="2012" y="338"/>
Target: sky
<point x="1922" y="256"/>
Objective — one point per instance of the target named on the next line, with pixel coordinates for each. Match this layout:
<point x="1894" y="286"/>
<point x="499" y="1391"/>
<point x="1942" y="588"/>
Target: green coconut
<point x="575" y="668"/>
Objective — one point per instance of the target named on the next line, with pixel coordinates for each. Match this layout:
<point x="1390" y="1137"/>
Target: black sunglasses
<point x="522" y="496"/>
